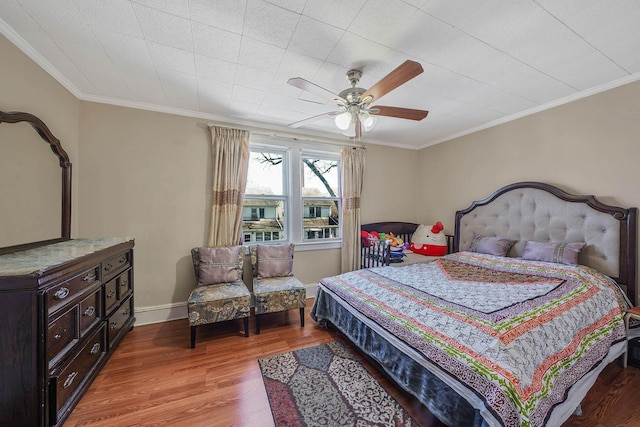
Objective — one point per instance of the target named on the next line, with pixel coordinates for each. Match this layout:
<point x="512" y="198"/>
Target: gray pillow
<point x="491" y="245"/>
<point x="273" y="260"/>
<point x="220" y="264"/>
<point x="560" y="253"/>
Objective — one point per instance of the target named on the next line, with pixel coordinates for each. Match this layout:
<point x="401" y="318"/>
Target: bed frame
<point x="537" y="211"/>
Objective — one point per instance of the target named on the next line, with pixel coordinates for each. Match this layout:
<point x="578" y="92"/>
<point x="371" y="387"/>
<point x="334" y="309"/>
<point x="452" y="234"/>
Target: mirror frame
<point x="54" y="143"/>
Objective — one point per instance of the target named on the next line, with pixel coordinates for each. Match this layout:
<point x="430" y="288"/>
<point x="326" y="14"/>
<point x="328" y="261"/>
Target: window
<point x="266" y="198"/>
<point x="292" y="194"/>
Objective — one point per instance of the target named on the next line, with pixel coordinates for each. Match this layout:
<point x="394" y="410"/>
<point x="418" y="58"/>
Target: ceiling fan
<point x="355" y="111"/>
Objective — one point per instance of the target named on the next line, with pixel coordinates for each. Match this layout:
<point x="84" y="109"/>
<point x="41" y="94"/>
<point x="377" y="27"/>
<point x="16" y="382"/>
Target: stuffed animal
<point x="431" y="242"/>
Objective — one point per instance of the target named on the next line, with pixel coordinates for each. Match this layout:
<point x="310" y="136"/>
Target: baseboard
<point x="174" y="311"/>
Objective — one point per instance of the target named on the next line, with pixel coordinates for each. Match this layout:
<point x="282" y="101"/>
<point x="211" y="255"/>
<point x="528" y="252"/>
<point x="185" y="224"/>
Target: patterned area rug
<point x="326" y="386"/>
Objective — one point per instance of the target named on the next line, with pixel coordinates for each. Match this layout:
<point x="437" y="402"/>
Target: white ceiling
<point x="485" y="61"/>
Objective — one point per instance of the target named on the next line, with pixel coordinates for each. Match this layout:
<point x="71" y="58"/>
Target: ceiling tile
<point x="337" y="13"/>
<point x="226" y="15"/>
<point x="216" y="43"/>
<point x="269" y="23"/>
<point x="164" y="28"/>
<point x="259" y="55"/>
<point x="314" y="38"/>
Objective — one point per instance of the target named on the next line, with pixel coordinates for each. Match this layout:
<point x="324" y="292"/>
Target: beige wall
<point x="26" y="87"/>
<point x="590" y="146"/>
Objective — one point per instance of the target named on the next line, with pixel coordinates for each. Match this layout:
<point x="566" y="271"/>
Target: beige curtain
<point x="352" y="180"/>
<point x="230" y="154"/>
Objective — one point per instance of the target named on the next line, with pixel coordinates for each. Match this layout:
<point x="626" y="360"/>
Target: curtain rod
<point x="289" y="135"/>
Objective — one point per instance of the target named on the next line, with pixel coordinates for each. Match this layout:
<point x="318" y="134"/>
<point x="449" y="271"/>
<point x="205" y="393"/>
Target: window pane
<point x="263" y="219"/>
<point x="319" y="177"/>
<point x="321" y="219"/>
<point x="265" y="173"/>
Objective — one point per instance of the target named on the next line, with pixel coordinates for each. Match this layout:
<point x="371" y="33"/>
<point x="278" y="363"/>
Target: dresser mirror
<point x="35" y="184"/>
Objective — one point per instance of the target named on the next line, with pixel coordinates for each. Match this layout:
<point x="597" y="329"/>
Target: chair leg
<point x="257" y="324"/>
<point x="193" y="336"/>
<point x="302" y="317"/>
<point x="246" y="327"/>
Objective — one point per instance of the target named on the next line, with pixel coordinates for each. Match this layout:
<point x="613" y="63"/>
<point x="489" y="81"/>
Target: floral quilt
<point x="518" y="333"/>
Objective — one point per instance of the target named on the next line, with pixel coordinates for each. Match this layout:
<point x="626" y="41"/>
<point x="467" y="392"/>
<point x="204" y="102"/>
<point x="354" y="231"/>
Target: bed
<point x="485" y="340"/>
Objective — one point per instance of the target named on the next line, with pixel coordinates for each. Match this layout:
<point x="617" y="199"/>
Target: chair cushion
<point x="272" y="260"/>
<point x="219" y="265"/>
<point x="218" y="302"/>
<point x="278" y="294"/>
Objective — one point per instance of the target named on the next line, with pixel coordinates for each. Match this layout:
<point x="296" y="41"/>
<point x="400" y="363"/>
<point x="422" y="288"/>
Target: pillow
<point x="561" y="253"/>
<point x="220" y="265"/>
<point x="491" y="245"/>
<point x="273" y="260"/>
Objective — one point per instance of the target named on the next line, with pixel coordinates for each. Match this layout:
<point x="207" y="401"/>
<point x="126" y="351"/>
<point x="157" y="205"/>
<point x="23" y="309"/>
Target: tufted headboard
<point x="536" y="211"/>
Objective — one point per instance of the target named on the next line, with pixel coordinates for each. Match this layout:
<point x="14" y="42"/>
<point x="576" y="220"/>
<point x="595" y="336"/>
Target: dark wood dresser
<point x="64" y="308"/>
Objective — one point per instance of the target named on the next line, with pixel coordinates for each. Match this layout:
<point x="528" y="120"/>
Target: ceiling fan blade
<point x="405" y="72"/>
<point x="313" y="119"/>
<point x="303" y="84"/>
<point x="401" y="113"/>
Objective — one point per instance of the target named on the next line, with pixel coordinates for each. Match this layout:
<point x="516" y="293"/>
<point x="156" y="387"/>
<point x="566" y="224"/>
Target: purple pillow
<point x="273" y="260"/>
<point x="219" y="265"/>
<point x="491" y="245"/>
<point x="561" y="253"/>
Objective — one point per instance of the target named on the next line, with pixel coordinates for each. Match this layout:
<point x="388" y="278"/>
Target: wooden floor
<point x="154" y="378"/>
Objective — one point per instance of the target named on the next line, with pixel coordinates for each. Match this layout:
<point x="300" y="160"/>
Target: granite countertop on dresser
<point x="37" y="260"/>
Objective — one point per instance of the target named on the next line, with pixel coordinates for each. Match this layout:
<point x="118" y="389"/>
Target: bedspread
<point x="516" y="333"/>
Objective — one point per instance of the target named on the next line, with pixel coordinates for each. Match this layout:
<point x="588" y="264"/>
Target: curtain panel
<point x="230" y="163"/>
<point x="352" y="173"/>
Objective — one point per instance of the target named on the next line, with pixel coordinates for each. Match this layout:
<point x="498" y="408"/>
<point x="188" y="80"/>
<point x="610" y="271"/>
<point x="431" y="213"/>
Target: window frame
<point x="293" y="152"/>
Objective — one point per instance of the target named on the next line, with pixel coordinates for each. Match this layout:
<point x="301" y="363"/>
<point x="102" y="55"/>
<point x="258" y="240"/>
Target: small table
<point x="632" y="313"/>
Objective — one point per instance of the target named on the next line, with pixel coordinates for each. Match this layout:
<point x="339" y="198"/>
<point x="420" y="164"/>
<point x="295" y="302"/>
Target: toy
<point x="431" y="242"/>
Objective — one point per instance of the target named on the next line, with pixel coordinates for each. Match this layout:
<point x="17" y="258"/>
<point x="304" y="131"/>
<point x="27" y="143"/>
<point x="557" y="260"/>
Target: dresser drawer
<point x="119" y="319"/>
<point x="66" y="380"/>
<point x="125" y="285"/>
<point x="61" y="294"/>
<point x="61" y="335"/>
<point x="114" y="265"/>
<point x="110" y="295"/>
<point x="90" y="311"/>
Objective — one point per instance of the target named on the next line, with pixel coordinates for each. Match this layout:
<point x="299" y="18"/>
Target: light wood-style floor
<point x="154" y="378"/>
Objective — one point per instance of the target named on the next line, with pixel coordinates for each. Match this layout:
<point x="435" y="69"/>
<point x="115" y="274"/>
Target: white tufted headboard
<point x="541" y="212"/>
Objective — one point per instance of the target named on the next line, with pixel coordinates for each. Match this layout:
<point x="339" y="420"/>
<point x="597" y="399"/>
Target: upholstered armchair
<point x="220" y="294"/>
<point x="274" y="286"/>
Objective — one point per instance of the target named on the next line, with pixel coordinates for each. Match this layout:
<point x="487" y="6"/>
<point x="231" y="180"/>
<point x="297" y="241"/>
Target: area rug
<point x="326" y="386"/>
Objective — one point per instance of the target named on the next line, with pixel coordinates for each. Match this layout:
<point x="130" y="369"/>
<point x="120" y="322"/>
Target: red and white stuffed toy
<point x="431" y="242"/>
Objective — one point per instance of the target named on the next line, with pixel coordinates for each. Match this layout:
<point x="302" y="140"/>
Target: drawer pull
<point x="125" y="312"/>
<point x="111" y="294"/>
<point x="57" y="336"/>
<point x="61" y="293"/>
<point x="72" y="376"/>
<point x="108" y="267"/>
<point x="113" y="325"/>
<point x="89" y="311"/>
<point x="124" y="283"/>
<point x="89" y="277"/>
<point x="122" y="259"/>
<point x="94" y="349"/>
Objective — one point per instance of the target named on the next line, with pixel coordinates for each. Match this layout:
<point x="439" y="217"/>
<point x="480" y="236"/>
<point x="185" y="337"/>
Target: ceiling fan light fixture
<point x="350" y="131"/>
<point x="343" y="120"/>
<point x="367" y="120"/>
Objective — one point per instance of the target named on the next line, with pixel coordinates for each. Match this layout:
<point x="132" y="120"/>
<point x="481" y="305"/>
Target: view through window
<point x="291" y="196"/>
